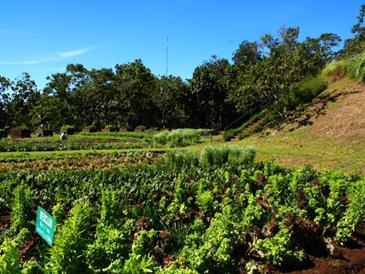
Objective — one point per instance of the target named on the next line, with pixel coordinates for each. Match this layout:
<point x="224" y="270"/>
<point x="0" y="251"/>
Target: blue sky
<point x="42" y="36"/>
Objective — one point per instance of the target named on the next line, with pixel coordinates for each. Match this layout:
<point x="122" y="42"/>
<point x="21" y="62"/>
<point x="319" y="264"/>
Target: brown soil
<point x="345" y="260"/>
<point x="99" y="162"/>
<point x="28" y="250"/>
<point x="344" y="121"/>
<point x="4" y="223"/>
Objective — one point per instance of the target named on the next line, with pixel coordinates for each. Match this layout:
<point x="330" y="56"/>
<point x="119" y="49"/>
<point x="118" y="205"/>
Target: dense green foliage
<point x="178" y="137"/>
<point x="336" y="70"/>
<point x="356" y="67"/>
<point x="306" y="90"/>
<point x="128" y="143"/>
<point x="356" y="45"/>
<point x="263" y="75"/>
<point x="213" y="212"/>
<point x="271" y="82"/>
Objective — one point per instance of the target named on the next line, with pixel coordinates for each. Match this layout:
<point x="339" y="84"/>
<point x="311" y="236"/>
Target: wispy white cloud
<point x="59" y="56"/>
<point x="75" y="52"/>
<point x="29" y="62"/>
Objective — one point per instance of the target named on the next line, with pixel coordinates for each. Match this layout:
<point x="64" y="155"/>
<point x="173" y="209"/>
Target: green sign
<point x="45" y="226"/>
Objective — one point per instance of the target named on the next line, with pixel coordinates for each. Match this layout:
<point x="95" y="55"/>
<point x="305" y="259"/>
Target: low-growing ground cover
<point x="299" y="148"/>
<point x="216" y="212"/>
<point x="103" y="141"/>
<point x="99" y="161"/>
<point x="17" y="157"/>
<point x="127" y="140"/>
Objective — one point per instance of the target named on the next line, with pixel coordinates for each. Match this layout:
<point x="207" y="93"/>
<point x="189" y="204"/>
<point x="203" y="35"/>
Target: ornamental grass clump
<point x="160" y="138"/>
<point x="178" y="160"/>
<point x="218" y="156"/>
<point x="356" y="67"/>
<point x="177" y="137"/>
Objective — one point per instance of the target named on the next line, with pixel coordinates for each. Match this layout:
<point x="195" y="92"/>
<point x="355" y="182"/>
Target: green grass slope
<point x="326" y="133"/>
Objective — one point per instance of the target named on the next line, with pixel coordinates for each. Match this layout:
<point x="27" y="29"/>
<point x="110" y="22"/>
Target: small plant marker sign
<point x="45" y="225"/>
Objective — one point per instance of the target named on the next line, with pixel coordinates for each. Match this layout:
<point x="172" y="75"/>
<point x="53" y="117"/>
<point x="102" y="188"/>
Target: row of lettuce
<point x="166" y="138"/>
<point x="217" y="212"/>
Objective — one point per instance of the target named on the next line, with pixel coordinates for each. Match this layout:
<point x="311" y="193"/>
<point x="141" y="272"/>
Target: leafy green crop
<point x="67" y="254"/>
<point x="216" y="212"/>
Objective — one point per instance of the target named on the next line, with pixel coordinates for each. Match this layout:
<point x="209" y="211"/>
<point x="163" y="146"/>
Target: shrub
<point x="178" y="160"/>
<point x="111" y="127"/>
<point x="183" y="137"/>
<point x="335" y="70"/>
<point x="356" y="67"/>
<point x="140" y="128"/>
<point x="161" y="137"/>
<point x="258" y="127"/>
<point x="217" y="156"/>
<point x="177" y="137"/>
<point x="151" y="130"/>
<point x="243" y="135"/>
<point x="306" y="90"/>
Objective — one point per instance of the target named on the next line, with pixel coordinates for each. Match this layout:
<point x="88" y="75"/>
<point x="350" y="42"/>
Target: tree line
<point x="264" y="74"/>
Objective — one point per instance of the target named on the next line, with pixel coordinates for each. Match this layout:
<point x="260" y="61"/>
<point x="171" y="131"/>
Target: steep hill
<point x="327" y="133"/>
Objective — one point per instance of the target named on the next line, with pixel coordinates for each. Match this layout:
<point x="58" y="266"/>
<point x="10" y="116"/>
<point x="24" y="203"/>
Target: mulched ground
<point x="344" y="260"/>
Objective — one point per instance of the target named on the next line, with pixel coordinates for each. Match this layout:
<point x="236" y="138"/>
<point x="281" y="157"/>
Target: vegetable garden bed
<point x="214" y="213"/>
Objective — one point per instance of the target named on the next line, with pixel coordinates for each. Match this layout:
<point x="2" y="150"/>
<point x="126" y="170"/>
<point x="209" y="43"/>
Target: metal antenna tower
<point x="167" y="56"/>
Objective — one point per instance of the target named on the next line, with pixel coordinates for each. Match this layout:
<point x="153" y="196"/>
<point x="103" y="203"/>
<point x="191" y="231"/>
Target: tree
<point x="356" y="45"/>
<point x="104" y="106"/>
<point x="359" y="29"/>
<point x="270" y="82"/>
<point x="82" y="94"/>
<point x="24" y="98"/>
<point x="4" y="101"/>
<point x="170" y="100"/>
<point x="209" y="90"/>
<point x="248" y="53"/>
<point x="135" y="87"/>
<point x="59" y="93"/>
<point x="319" y="51"/>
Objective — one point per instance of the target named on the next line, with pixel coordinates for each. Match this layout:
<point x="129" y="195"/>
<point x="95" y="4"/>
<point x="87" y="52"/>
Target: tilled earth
<point x="86" y="163"/>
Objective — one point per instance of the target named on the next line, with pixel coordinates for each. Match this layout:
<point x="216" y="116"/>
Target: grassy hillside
<point x="327" y="133"/>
